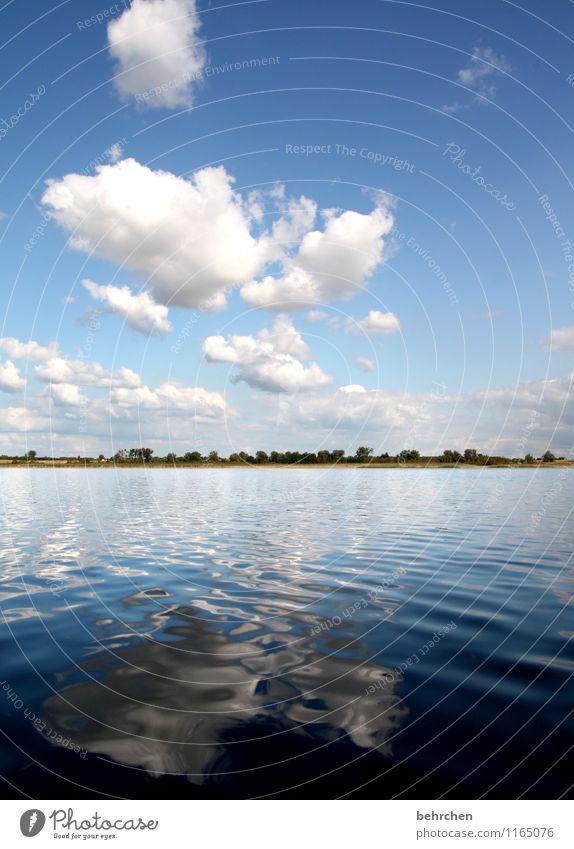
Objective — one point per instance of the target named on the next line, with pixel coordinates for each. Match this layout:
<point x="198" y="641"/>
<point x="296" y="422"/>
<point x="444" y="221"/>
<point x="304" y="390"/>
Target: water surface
<point x="287" y="633"/>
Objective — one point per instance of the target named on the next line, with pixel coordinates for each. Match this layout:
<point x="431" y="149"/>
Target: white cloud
<point x="374" y="322"/>
<point x="31" y="350"/>
<point x="511" y="420"/>
<point x="483" y="66"/>
<point x="365" y="364"/>
<point x="115" y="152"/>
<point x="188" y="239"/>
<point x="139" y="311"/>
<point x="316" y="315"/>
<point x="270" y="361"/>
<point x="331" y="263"/>
<point x="484" y="62"/>
<point x="561" y="339"/>
<point x="10" y="379"/>
<point x="200" y="403"/>
<point x="297" y="217"/>
<point x="15" y="420"/>
<point x="80" y="373"/>
<point x="67" y="395"/>
<point x="285" y="338"/>
<point x="157" y="54"/>
<point x="354" y="407"/>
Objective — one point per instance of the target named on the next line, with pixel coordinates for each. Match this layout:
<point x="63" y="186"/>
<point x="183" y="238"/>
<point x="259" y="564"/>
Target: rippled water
<point x="297" y="632"/>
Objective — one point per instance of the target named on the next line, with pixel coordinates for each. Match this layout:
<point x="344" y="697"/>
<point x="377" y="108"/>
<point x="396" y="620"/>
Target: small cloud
<point x="489" y="314"/>
<point x="316" y="315"/>
<point x="561" y="340"/>
<point x="30" y="351"/>
<point x="484" y="66"/>
<point x="115" y="152"/>
<point x="374" y="322"/>
<point x="365" y="364"/>
<point x="10" y="379"/>
<point x="140" y="311"/>
<point x="69" y="299"/>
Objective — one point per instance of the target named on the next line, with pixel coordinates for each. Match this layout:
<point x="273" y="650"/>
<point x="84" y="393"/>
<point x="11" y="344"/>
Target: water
<point x="287" y="633"/>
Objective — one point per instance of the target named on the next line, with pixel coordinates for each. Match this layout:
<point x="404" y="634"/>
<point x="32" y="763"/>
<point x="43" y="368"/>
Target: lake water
<point x="287" y="632"/>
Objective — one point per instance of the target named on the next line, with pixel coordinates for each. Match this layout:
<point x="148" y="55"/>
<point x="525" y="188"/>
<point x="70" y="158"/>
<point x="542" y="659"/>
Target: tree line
<point x="363" y="456"/>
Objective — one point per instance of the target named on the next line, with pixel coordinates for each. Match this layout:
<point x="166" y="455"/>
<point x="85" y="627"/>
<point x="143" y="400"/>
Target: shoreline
<point x="64" y="464"/>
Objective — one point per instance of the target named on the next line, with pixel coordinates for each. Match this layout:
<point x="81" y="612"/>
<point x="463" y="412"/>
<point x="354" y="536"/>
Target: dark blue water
<point x="290" y="633"/>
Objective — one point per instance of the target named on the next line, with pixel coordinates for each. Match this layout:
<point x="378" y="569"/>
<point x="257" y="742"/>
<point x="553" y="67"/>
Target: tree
<point x="470" y="455"/>
<point x="529" y="459"/>
<point x="548" y="457"/>
<point x="408" y="456"/>
<point x="363" y="454"/>
<point x="31" y="456"/>
<point x="170" y="458"/>
<point x="309" y="458"/>
<point x="192" y="457"/>
<point x="451" y="457"/>
<point x="101" y="458"/>
<point x="213" y="457"/>
<point x="261" y="457"/>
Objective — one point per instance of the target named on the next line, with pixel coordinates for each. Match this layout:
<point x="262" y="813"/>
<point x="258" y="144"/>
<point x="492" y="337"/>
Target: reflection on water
<point x="167" y="707"/>
<point x="239" y="632"/>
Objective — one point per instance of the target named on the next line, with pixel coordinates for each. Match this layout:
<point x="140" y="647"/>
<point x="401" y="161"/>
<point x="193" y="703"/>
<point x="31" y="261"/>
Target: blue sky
<point x="276" y="225"/>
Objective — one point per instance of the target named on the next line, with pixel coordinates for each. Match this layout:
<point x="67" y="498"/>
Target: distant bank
<point x="94" y="464"/>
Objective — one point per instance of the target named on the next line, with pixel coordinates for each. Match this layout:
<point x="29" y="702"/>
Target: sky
<point x="286" y="226"/>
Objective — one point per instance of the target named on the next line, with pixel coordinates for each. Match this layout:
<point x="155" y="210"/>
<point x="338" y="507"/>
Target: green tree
<point x="408" y="456"/>
<point x="31" y="456"/>
<point x="363" y="454"/>
<point x="262" y="457"/>
<point x="451" y="457"/>
<point x="470" y="455"/>
<point x="192" y="457"/>
<point x="548" y="457"/>
<point x="529" y="459"/>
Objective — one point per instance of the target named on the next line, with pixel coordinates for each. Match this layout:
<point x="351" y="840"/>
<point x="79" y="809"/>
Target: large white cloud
<point x="157" y="54"/>
<point x="10" y="378"/>
<point x="139" y="311"/>
<point x="373" y="323"/>
<point x="192" y="240"/>
<point x="188" y="239"/>
<point x="330" y="263"/>
<point x="270" y="361"/>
